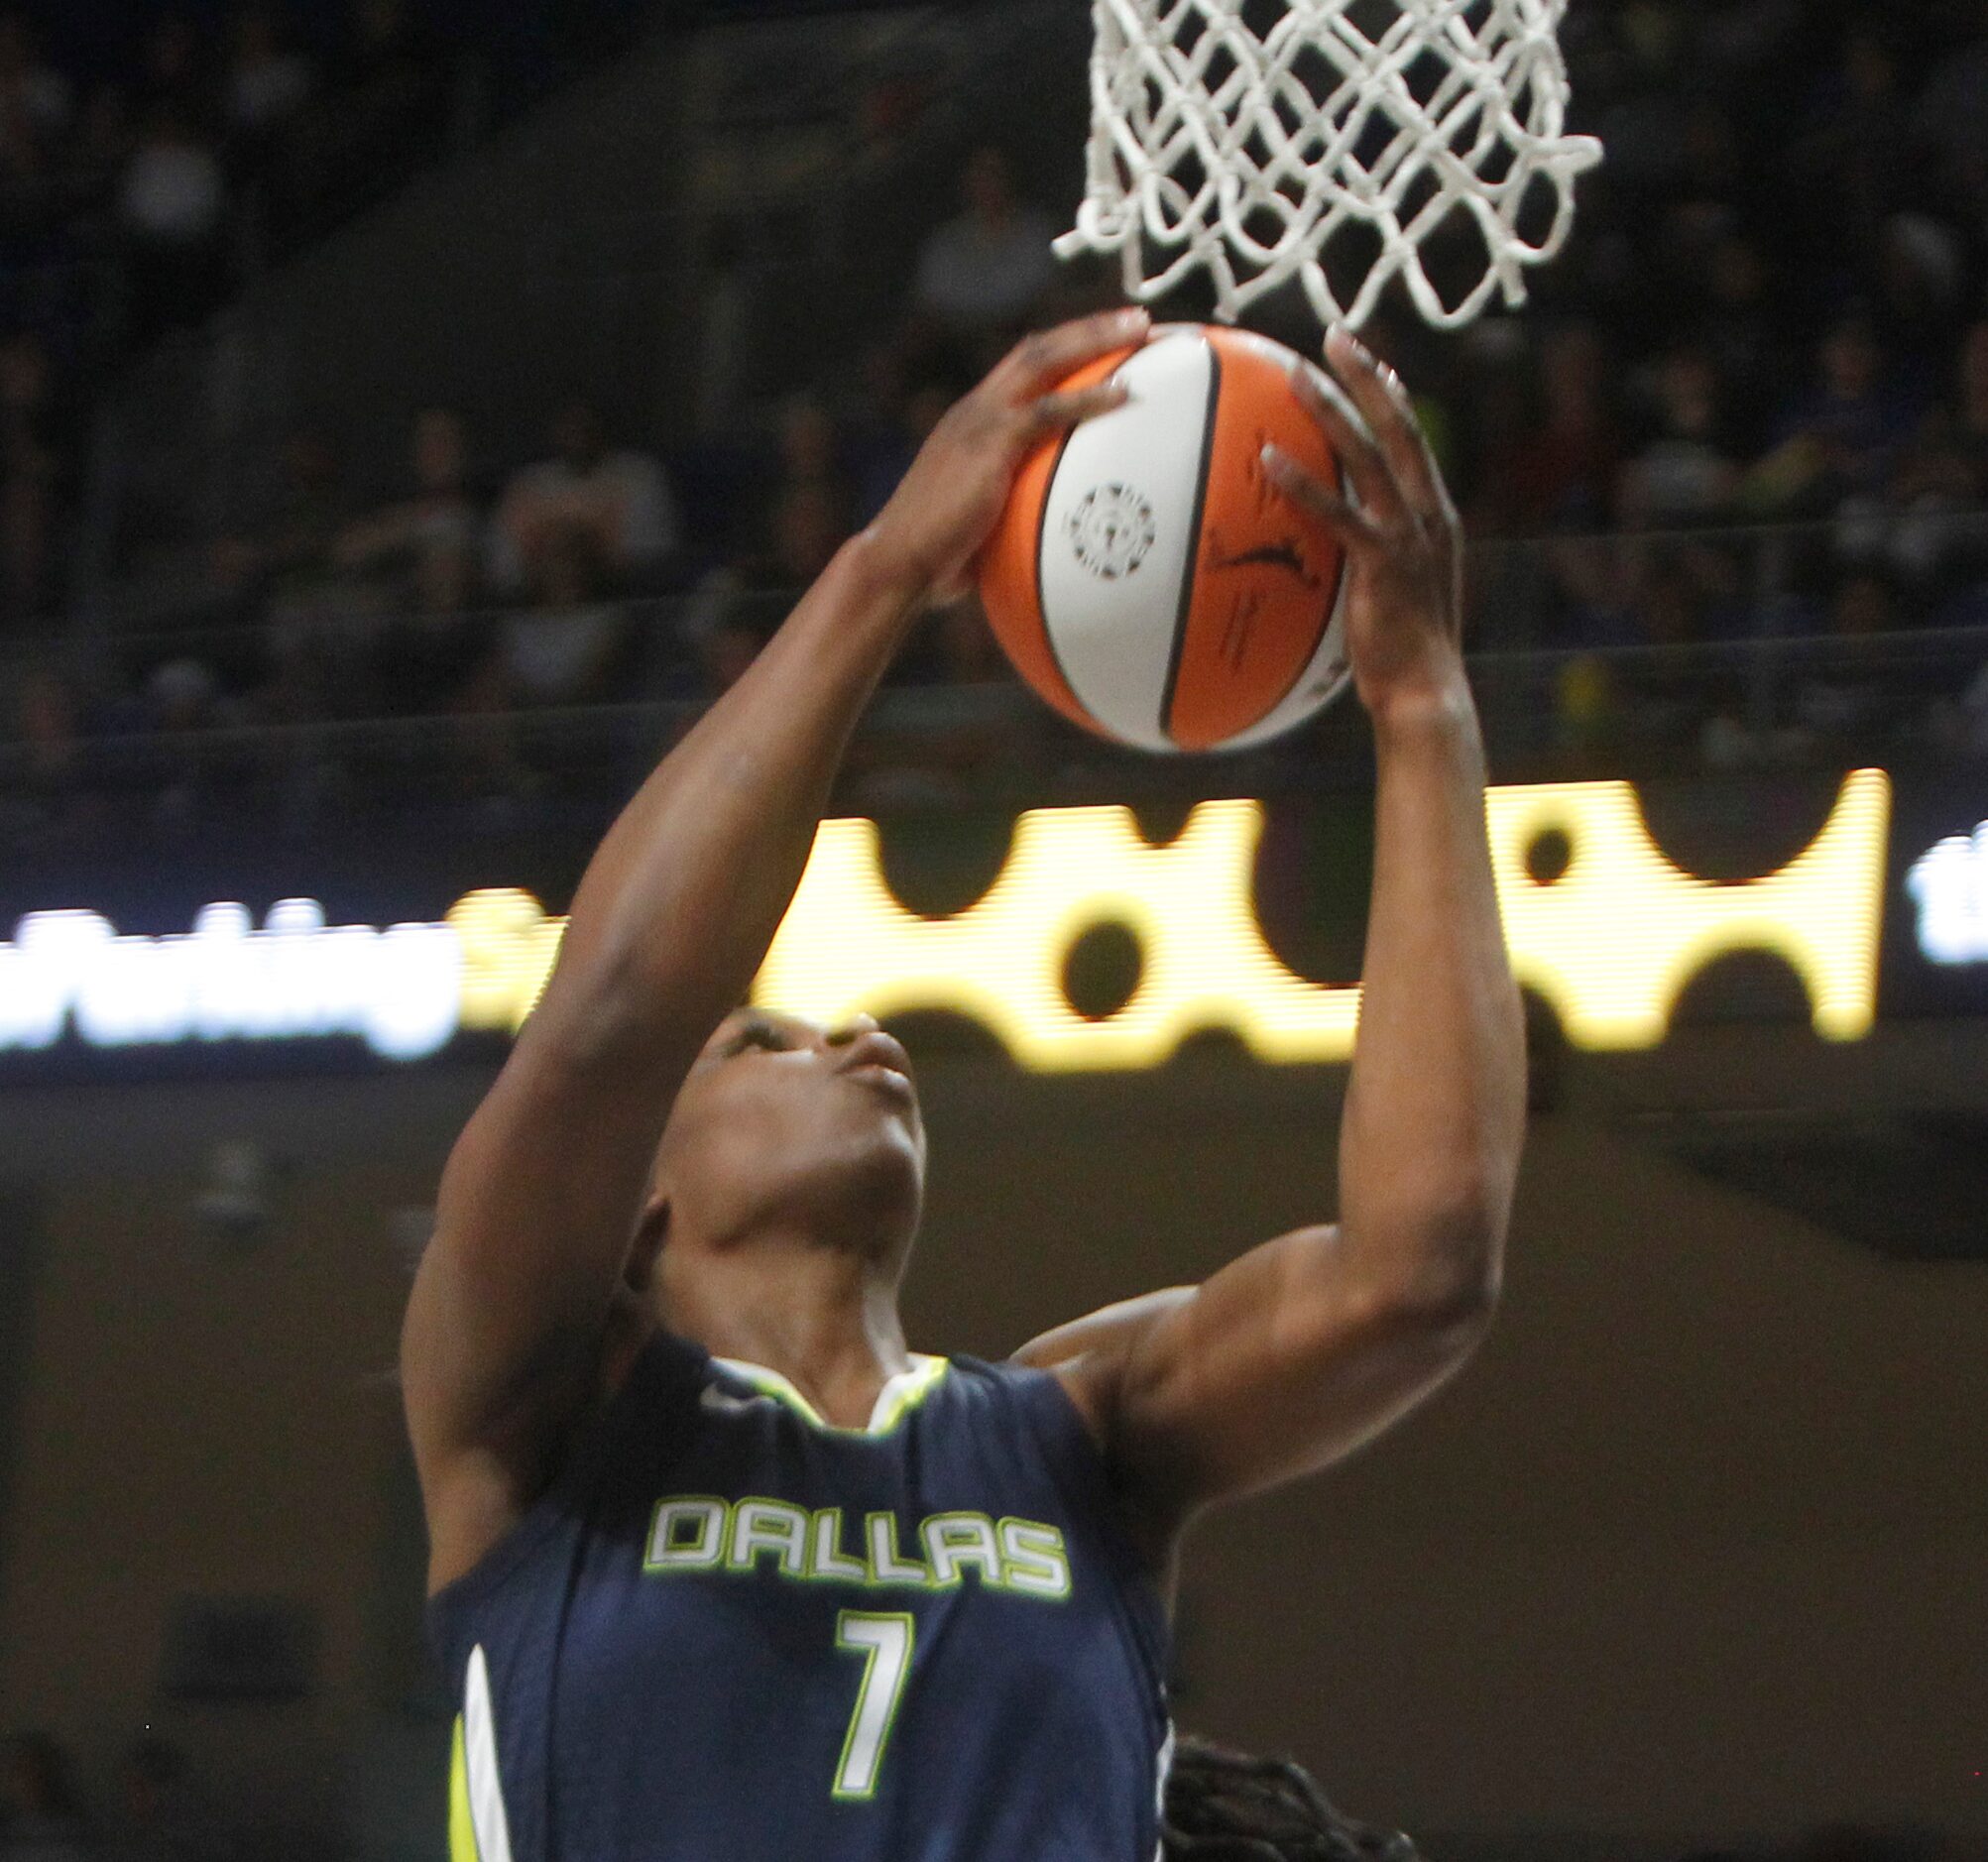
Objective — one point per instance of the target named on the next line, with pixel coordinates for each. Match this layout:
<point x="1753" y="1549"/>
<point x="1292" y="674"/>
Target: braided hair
<point x="1225" y="1806"/>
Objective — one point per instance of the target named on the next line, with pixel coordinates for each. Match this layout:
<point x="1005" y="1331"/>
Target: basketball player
<point x="723" y="1571"/>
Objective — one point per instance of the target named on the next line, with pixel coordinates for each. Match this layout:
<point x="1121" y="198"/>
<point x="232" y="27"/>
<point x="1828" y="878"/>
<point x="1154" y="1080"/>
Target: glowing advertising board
<point x="1949" y="885"/>
<point x="1610" y="940"/>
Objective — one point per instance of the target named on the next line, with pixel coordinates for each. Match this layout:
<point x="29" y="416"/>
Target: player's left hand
<point x="928" y="536"/>
<point x="1404" y="542"/>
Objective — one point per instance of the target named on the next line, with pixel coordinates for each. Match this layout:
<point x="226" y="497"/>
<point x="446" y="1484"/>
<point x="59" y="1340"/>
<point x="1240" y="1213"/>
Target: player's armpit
<point x="1282" y="1363"/>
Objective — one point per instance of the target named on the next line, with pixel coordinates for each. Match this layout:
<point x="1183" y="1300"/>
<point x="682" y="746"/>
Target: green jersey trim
<point x="896" y="1401"/>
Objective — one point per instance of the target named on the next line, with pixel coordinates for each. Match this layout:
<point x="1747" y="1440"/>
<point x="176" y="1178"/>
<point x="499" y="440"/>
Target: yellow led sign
<point x="509" y="947"/>
<point x="848" y="945"/>
<point x="1610" y="943"/>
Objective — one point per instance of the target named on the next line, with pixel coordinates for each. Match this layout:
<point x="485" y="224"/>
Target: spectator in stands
<point x="890" y="422"/>
<point x="1865" y="605"/>
<point x="390" y="104"/>
<point x="1968" y="729"/>
<point x="1951" y="119"/>
<point x="29" y="475"/>
<point x="810" y="523"/>
<point x="316" y="622"/>
<point x="1562" y="474"/>
<point x="1643" y="125"/>
<point x="1929" y="527"/>
<point x="1973" y="409"/>
<point x="439" y="646"/>
<point x="984" y="273"/>
<point x="735" y="608"/>
<point x="170" y="202"/>
<point x="1670" y="599"/>
<point x="812" y="480"/>
<point x="810" y="447"/>
<point x="926" y="405"/>
<point x="300" y="515"/>
<point x="174" y="76"/>
<point x="725" y="654"/>
<point x="36" y="106"/>
<point x="388" y="50"/>
<point x="1838" y="440"/>
<point x="41" y="727"/>
<point x="182" y="697"/>
<point x="267" y="86"/>
<point x="39" y="1819"/>
<point x="98" y="150"/>
<point x="1847" y="168"/>
<point x="1737" y="330"/>
<point x="1741" y="39"/>
<point x="30" y="86"/>
<point x="562" y="649"/>
<point x="1919" y="272"/>
<point x="952" y="647"/>
<point x="1684" y="473"/>
<point x="1703" y="208"/>
<point x="432" y="535"/>
<point x="616" y="504"/>
<point x="173" y="194"/>
<point x="1835" y="701"/>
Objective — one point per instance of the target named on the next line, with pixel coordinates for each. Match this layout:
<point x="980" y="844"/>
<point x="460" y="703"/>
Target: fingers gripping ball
<point x="1148" y="580"/>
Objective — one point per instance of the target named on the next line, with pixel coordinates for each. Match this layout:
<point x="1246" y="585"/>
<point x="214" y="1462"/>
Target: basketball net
<point x="1264" y="155"/>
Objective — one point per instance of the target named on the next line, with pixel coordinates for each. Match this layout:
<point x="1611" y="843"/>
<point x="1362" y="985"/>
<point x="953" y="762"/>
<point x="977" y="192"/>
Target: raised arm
<point x="502" y="1342"/>
<point x="1311" y="1345"/>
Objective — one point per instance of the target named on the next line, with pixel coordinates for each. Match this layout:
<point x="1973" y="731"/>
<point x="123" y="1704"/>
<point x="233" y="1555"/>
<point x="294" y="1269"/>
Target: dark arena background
<point x="295" y="684"/>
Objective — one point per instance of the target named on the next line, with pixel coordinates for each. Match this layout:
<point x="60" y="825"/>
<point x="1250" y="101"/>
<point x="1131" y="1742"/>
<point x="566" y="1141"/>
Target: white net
<point x="1339" y="136"/>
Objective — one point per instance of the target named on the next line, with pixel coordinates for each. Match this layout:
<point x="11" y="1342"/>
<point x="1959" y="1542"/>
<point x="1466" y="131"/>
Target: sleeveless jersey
<point x="732" y="1633"/>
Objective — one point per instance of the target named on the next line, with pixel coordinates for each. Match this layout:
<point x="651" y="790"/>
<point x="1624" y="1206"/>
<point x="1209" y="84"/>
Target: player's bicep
<point x="534" y="1221"/>
<point x="1282" y="1363"/>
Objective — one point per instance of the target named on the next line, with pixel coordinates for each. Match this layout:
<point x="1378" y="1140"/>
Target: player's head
<point x="784" y="1128"/>
<point x="1223" y="1807"/>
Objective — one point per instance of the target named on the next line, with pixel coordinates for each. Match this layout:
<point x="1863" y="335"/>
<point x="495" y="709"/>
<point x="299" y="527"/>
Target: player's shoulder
<point x="1012" y="1394"/>
<point x="994" y="1380"/>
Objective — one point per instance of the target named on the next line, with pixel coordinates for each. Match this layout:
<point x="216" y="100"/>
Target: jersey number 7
<point x="883" y="1640"/>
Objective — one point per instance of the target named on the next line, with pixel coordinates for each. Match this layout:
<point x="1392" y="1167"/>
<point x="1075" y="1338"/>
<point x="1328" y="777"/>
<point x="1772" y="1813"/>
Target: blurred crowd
<point x="1748" y="403"/>
<point x="155" y="158"/>
<point x="140" y="174"/>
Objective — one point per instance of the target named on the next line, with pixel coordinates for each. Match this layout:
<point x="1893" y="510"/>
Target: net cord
<point x="1185" y="84"/>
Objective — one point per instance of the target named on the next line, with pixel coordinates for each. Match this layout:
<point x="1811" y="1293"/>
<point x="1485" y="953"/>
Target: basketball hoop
<point x="1322" y="143"/>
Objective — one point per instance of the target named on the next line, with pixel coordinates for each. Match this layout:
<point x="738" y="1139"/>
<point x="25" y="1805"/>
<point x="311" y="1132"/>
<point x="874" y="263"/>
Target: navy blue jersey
<point x="732" y="1633"/>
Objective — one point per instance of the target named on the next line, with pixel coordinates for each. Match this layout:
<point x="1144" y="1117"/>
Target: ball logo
<point x="1111" y="531"/>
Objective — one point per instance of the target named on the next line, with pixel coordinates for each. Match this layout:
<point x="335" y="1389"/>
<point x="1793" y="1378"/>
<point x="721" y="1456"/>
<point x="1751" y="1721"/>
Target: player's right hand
<point x="1404" y="542"/>
<point x="925" y="541"/>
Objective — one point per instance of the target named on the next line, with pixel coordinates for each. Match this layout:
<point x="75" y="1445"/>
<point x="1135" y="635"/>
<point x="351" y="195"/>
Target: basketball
<point x="1149" y="581"/>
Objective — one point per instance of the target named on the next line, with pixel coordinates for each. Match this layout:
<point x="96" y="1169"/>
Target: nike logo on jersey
<point x="724" y="1403"/>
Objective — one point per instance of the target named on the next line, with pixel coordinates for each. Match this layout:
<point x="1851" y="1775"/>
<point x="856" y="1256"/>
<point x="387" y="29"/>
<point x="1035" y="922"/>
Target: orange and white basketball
<point x="1149" y="581"/>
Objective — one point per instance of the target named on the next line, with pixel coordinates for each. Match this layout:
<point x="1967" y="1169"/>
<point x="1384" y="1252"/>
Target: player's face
<point x="781" y="1117"/>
